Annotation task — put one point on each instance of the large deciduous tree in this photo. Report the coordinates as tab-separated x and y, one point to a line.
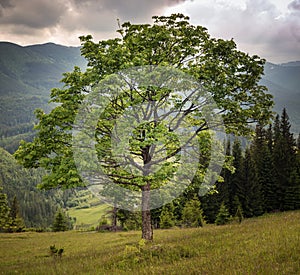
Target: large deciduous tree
229	76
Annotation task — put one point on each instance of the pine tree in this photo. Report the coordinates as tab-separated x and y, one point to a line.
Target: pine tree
235	185
284	159
60	221
17	222
261	150
167	219
239	210
5	220
192	214
253	199
223	216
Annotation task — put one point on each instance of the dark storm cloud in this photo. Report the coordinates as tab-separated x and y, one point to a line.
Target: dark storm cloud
84	16
6	3
137	9
34	14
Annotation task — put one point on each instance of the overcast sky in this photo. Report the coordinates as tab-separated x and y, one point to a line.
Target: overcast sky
269	28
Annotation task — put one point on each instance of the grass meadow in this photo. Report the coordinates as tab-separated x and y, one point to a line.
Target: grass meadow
88	217
264	245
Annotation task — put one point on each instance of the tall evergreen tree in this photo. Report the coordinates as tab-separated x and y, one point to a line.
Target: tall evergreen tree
17	222
253	200
284	159
261	151
60	222
223	216
167	219
236	187
5	219
192	214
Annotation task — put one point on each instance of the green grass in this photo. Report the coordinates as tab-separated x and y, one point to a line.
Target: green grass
265	245
88	217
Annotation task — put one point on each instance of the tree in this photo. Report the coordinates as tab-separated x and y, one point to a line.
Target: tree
192	214
5	220
239	210
167	219
252	198
60	222
236	186
229	76
223	216
261	152
284	155
17	222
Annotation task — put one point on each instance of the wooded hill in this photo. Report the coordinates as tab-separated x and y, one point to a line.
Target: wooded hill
27	75
37	207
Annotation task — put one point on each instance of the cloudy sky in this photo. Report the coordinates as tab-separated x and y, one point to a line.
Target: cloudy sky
269	28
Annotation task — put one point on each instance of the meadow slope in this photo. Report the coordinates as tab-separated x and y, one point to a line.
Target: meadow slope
264	245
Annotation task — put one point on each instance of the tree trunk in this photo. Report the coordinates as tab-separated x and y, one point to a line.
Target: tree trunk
114	219
147	230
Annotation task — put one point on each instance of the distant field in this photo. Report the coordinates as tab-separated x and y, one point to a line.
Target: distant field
88	217
265	245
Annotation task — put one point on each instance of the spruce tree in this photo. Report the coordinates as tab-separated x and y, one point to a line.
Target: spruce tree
192	214
253	188
284	159
5	220
17	222
167	219
239	211
223	216
60	222
261	152
236	187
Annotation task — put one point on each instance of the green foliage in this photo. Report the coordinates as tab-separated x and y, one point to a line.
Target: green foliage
167	219
56	252
192	213
223	216
17	222
61	221
239	210
36	207
5	219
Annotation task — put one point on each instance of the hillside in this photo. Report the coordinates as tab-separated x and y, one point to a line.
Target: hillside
265	245
283	82
27	75
36	207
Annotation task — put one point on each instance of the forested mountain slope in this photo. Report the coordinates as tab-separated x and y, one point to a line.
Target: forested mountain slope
27	75
37	207
283	82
